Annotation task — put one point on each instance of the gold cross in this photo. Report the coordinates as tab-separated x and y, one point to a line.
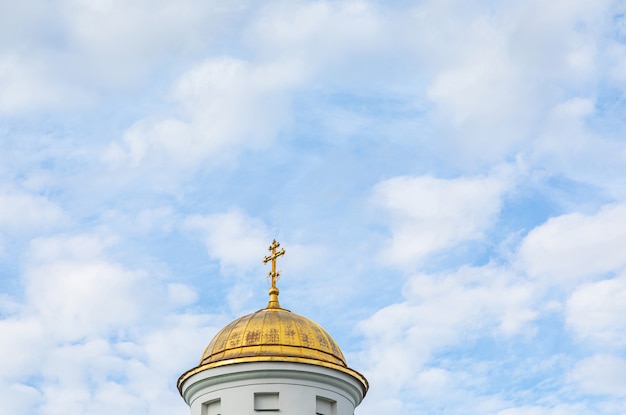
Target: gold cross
273	273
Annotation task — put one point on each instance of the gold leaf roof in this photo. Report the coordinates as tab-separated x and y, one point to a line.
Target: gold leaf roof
273	334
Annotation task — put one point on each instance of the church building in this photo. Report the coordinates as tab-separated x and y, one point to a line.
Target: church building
272	360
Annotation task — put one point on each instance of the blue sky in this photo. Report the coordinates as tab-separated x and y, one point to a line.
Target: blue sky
447	177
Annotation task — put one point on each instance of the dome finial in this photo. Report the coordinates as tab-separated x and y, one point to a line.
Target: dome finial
273	291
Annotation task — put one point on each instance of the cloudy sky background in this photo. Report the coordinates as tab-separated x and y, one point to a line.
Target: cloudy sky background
448	179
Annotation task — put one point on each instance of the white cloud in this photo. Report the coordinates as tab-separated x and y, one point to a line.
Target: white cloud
382	405
595	312
322	35
227	105
91	336
79	247
18	398
601	375
489	80
484	102
24	342
75	364
232	238
140	33
430	214
22	211
26	86
566	146
8	305
187	334
100	376
440	311
433	382
616	65
181	295
576	246
57	55
546	410
72	287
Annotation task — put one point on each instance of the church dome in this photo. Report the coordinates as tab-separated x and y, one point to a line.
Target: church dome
273	334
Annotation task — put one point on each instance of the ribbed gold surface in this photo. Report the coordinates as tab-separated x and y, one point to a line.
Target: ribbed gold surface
273	334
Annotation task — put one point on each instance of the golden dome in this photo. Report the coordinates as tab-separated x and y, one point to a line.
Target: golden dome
273	334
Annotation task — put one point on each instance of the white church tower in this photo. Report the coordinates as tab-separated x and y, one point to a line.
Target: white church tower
272	360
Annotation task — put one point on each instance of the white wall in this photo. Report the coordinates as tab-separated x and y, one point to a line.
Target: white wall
280	387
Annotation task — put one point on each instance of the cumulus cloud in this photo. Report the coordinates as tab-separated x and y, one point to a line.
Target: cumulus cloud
576	246
24	211
56	56
26	86
92	336
429	214
439	311
322	35
489	82
595	312
215	98
71	286
22	348
601	375
181	294
232	238
18	397
590	158
140	34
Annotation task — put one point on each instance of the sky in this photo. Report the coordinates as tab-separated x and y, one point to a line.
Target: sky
448	179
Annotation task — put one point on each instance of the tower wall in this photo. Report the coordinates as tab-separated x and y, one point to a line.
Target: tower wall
258	388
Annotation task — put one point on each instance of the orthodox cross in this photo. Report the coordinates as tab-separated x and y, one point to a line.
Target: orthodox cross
275	254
